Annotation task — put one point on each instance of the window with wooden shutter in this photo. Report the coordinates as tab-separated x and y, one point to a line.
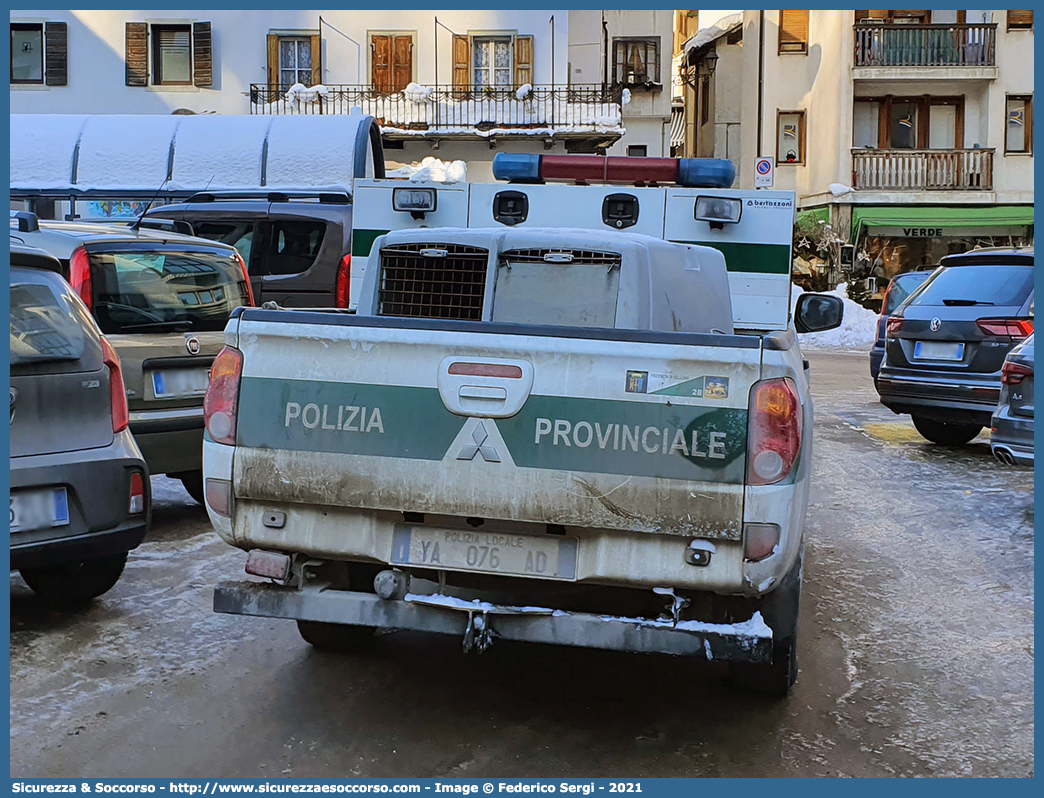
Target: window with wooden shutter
793	31
523	61
56	44
381	63
171	55
202	55
315	44
1020	20
136	54
461	62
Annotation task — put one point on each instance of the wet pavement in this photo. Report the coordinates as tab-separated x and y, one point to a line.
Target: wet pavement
915	649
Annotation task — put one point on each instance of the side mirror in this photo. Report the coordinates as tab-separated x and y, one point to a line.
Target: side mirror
818	312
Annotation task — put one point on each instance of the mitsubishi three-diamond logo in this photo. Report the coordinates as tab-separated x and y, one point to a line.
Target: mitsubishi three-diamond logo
469	450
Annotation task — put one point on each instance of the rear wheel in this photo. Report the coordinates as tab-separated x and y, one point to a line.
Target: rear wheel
75	583
336	637
946	434
193	482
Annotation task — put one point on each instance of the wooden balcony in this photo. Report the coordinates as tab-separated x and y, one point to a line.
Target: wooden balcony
879	45
922	170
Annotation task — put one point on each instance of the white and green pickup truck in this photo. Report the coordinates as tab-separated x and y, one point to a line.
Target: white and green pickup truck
538	434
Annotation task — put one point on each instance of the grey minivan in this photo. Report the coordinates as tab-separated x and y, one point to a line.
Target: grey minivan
80	496
162	300
945	346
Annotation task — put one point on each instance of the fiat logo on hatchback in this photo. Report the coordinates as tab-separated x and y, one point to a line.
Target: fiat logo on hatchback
192	345
935	324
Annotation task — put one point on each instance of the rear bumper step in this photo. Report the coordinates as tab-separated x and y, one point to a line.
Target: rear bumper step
750	641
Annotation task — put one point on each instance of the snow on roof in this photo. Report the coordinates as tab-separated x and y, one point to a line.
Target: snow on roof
42	149
219	152
138	145
328	159
707	35
132	154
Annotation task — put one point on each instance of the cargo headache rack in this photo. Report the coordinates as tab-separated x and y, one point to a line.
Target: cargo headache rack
433	281
325	197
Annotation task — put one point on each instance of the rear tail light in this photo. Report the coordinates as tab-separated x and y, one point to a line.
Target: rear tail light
759	541
117	390
80	275
1014	373
219	496
246	278
774	439
222	399
893	325
1014	328
137	494
884	299
344	281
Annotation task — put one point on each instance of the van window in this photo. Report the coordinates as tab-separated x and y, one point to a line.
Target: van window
45	321
580	293
293	246
236	234
170	289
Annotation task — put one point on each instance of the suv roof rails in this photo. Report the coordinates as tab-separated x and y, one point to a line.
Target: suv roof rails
326	197
989	256
28	222
151	222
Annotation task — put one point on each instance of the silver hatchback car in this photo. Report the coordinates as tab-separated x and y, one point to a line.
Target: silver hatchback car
1011	439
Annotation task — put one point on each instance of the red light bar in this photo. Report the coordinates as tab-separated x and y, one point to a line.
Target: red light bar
486	370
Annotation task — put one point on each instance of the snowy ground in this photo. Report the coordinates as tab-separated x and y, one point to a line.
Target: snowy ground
857	330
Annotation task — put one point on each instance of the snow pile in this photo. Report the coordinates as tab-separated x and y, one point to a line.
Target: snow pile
524	91
433	170
42	149
119	151
709	34
858	328
299	93
625	97
837	189
416	93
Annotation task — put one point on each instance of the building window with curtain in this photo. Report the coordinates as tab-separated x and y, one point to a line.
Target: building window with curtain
1018	127
295	61
172	55
491	61
636	62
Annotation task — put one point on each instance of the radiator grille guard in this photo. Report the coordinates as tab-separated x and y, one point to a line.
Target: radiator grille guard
432	281
580	257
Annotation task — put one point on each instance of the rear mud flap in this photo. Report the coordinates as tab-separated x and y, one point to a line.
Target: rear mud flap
479	623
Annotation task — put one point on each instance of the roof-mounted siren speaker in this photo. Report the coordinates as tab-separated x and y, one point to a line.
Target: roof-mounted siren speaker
690	172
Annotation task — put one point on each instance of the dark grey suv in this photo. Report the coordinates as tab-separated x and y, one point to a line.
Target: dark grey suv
79	486
297	245
945	346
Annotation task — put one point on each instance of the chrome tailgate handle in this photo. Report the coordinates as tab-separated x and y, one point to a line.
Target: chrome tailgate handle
484	387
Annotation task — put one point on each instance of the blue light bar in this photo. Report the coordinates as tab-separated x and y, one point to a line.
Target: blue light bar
516	166
706	173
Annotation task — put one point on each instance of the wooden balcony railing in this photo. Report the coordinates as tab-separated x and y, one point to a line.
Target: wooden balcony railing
922	170
451	110
879	45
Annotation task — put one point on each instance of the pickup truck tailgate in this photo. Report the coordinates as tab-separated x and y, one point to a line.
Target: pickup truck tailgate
636	431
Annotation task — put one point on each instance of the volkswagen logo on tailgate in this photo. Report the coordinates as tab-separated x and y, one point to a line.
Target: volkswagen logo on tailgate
192	345
935	324
14	398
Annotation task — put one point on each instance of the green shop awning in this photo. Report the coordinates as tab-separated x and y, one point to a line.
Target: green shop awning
915	221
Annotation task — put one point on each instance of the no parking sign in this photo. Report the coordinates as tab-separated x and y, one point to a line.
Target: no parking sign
763	173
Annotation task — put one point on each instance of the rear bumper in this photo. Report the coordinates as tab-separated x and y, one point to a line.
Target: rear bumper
87	546
172	450
746	642
97	482
1012	439
954	401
